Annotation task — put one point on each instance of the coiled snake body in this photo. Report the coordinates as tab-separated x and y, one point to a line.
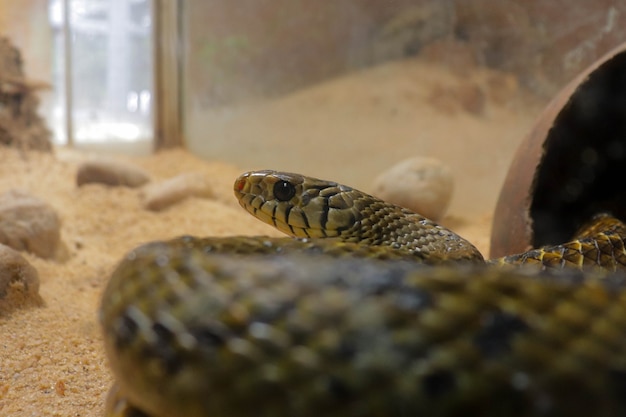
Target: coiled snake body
357	325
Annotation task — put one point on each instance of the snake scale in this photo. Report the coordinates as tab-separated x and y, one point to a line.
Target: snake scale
377	311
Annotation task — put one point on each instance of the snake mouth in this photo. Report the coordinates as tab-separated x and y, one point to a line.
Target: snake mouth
255	192
243	184
289	219
299	206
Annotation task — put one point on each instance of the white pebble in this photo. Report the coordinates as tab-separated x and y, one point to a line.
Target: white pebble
110	172
420	184
160	195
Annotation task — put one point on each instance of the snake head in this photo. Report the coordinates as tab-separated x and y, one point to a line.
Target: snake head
297	205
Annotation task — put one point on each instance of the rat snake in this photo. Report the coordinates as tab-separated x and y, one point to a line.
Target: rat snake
375	311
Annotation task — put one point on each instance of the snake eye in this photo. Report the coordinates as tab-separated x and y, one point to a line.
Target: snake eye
284	190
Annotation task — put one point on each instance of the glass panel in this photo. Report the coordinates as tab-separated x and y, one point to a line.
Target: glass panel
345	89
111	73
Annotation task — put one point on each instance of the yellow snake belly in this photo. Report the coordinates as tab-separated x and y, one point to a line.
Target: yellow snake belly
381	318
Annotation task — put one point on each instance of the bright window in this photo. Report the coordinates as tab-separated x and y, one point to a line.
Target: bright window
107	72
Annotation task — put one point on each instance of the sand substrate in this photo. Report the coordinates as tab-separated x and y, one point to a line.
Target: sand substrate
52	361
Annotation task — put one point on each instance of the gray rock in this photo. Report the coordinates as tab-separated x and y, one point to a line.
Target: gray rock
423	185
19	280
29	224
161	195
111	172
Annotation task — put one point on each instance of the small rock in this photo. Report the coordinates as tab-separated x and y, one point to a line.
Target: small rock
27	223
468	97
111	172
423	185
166	193
19	280
472	99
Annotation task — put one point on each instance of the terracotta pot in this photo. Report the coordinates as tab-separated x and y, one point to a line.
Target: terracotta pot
571	166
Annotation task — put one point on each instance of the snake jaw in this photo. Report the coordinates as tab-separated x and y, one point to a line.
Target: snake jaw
316	208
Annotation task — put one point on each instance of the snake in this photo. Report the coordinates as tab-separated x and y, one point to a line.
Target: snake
368	309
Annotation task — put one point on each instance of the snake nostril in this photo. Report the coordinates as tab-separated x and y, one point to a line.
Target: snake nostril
284	190
240	184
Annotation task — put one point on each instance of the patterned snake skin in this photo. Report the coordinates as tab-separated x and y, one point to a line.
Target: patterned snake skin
392	315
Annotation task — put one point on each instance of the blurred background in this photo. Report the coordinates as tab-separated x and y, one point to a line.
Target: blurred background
127	121
334	89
